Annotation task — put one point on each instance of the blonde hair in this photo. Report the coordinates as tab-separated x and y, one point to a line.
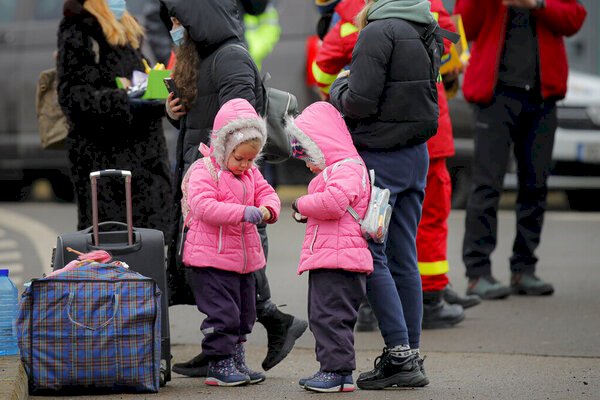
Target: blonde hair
127	31
361	17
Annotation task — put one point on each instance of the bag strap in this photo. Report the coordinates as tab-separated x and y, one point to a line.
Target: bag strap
351	210
211	169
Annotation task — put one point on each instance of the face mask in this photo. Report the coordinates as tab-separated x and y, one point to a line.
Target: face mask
118	7
177	35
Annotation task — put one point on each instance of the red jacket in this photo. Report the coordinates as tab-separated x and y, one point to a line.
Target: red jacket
485	25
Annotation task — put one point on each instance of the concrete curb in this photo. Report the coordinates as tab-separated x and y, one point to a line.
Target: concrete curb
13	379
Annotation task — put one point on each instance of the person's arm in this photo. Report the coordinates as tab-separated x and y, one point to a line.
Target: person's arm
204	200
235	75
341	189
562	17
79	94
471	13
262	33
358	95
265	196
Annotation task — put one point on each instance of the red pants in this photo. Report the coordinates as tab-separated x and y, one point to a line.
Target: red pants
432	235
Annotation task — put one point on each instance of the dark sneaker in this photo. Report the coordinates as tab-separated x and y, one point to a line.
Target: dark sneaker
437	314
530	285
366	321
451	297
302	381
282	332
240	363
393	371
224	373
421	362
487	288
328	382
196	367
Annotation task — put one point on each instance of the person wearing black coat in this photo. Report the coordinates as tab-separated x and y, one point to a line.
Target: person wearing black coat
107	129
389	101
212	68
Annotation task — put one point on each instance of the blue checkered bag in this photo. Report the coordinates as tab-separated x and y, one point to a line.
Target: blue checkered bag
95	327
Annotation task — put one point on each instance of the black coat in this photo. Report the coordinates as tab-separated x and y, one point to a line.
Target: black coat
106	129
211	24
390	99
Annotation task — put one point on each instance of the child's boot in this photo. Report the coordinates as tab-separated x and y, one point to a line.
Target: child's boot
240	363
224	373
327	382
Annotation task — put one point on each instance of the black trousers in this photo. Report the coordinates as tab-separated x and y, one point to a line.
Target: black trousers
520	120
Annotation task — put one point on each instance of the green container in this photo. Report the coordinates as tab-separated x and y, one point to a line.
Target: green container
156	87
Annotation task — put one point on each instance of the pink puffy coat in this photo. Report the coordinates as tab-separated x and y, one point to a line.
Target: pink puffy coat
333	238
217	237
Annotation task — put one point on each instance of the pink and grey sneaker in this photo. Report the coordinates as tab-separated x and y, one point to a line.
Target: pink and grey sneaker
239	358
328	382
224	373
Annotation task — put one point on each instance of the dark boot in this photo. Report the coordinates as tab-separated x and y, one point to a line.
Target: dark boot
366	321
530	285
282	332
196	367
451	297
391	370
437	314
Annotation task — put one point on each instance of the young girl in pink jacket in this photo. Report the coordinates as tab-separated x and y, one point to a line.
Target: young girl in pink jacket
334	251
225	196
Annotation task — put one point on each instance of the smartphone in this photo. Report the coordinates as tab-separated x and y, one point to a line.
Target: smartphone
170	84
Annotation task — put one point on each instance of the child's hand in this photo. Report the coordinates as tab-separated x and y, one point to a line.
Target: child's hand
253	215
266	213
299	217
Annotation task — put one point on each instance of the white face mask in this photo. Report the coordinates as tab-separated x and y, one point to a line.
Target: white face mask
177	35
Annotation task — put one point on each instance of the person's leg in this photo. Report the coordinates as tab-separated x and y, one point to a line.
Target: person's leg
533	152
432	236
493	124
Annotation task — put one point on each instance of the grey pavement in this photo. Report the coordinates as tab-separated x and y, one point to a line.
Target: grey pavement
518	348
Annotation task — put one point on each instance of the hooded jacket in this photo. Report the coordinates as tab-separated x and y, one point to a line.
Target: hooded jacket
217	237
106	129
333	238
485	26
390	98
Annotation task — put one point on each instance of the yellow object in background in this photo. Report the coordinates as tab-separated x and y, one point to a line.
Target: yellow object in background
147	68
459	52
159	67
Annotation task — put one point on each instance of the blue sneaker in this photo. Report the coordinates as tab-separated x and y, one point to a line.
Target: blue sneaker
302	382
327	382
239	358
224	373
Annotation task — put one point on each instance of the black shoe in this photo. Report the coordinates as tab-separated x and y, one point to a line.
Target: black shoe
393	371
282	332
530	285
487	288
366	321
196	367
437	314
451	297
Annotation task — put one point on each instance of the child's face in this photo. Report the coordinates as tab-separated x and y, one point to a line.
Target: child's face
242	158
313	168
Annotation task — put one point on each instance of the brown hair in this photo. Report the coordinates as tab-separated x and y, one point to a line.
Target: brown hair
361	17
185	73
127	31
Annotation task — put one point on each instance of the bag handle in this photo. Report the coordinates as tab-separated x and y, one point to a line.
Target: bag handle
94	180
116	297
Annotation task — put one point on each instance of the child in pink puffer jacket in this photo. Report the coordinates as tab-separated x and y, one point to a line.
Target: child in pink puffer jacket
334	251
225	197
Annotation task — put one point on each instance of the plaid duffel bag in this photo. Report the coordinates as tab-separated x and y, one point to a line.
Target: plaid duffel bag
93	328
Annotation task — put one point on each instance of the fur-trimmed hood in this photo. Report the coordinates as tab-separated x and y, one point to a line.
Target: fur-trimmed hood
236	122
322	133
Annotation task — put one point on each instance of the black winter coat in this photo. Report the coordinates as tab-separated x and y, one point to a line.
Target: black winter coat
211	24
390	98
106	129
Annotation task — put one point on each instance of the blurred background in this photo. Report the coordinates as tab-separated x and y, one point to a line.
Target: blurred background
28	42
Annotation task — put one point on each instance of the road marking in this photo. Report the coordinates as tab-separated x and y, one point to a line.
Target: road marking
41	236
7	256
8	244
573	216
15	268
2	232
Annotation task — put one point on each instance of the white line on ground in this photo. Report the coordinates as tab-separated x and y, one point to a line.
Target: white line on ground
8	256
8	244
2	232
15	268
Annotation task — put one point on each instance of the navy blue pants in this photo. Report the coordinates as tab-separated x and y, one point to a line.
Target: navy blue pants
394	288
519	119
334	296
229	301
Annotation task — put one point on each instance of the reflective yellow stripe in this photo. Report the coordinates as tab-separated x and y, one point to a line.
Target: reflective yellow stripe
434	268
436	16
347	29
321	77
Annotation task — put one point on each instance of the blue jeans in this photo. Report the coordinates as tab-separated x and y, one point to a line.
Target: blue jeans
394	288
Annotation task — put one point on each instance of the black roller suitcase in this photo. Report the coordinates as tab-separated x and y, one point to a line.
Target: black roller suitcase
142	249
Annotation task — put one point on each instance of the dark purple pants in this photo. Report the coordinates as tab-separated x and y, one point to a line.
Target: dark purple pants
334	296
229	301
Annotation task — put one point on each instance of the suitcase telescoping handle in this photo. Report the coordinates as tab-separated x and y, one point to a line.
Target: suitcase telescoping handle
111	173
